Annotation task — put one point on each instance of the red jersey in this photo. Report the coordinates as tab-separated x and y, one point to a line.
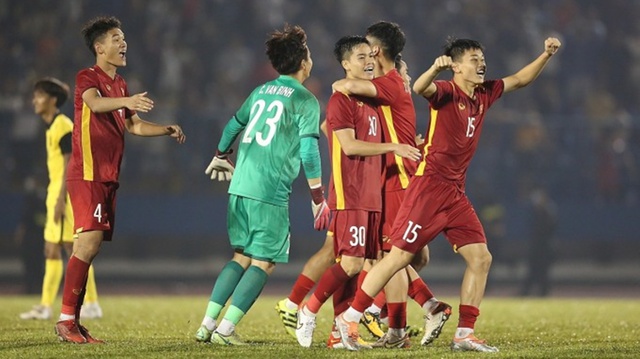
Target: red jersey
98	138
399	126
354	182
455	127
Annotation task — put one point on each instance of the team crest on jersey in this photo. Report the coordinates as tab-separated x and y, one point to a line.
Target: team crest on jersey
461	106
360	103
108	88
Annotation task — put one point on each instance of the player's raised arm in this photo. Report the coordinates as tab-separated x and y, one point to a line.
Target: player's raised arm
424	85
530	72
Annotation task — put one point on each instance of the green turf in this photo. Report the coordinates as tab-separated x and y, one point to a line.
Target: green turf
163	327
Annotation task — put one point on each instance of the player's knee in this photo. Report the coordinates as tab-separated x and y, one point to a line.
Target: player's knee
420	260
352	265
482	261
400	258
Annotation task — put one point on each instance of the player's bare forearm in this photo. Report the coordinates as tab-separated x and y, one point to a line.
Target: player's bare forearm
355	87
139	127
424	85
530	72
354	147
99	104
314	182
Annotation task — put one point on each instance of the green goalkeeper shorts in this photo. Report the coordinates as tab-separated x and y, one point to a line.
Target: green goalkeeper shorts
259	229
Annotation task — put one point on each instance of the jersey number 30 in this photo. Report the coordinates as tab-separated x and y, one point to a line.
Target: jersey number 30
274	111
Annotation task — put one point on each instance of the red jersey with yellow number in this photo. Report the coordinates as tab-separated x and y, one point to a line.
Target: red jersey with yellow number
399	126
455	127
98	138
354	182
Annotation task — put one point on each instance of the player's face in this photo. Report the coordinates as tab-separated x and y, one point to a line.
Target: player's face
42	102
472	67
113	48
360	63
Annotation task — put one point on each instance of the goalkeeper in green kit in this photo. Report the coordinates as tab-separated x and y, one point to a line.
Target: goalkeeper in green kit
278	126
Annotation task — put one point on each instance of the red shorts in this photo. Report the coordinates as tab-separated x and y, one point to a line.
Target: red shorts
431	206
391	202
94	206
356	233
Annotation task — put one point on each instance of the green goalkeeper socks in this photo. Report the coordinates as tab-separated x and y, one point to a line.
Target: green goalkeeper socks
224	287
246	293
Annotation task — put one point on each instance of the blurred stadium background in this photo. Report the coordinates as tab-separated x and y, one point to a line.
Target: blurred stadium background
557	169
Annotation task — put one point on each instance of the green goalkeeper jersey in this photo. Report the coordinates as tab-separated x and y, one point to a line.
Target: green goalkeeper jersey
275	117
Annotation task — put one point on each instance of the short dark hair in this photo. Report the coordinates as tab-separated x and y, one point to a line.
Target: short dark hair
96	28
455	48
391	38
287	48
54	88
346	44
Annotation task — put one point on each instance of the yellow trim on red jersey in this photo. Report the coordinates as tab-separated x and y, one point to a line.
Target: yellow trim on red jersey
336	167
432	131
402	172
87	156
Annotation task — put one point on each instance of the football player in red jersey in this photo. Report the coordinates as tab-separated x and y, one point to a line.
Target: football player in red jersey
103	110
399	126
436	200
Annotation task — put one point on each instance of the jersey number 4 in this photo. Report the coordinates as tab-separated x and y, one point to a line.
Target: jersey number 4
98	212
274	113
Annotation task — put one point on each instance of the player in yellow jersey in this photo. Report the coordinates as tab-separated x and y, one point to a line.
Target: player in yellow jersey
49	94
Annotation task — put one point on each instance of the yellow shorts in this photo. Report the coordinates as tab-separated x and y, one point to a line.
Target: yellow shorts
61	231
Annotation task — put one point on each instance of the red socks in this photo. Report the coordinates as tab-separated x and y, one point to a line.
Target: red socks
362	301
75	280
331	280
301	288
468	316
419	291
397	315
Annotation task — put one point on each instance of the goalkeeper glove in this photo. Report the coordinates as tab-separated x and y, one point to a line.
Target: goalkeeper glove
320	209
220	167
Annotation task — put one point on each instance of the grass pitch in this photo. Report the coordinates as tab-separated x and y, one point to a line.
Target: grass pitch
163	326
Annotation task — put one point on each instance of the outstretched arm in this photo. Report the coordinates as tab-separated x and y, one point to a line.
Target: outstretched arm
530	72
424	85
98	104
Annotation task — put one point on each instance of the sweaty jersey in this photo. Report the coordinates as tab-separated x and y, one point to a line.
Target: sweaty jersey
354	180
98	138
455	127
58	137
399	123
276	116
